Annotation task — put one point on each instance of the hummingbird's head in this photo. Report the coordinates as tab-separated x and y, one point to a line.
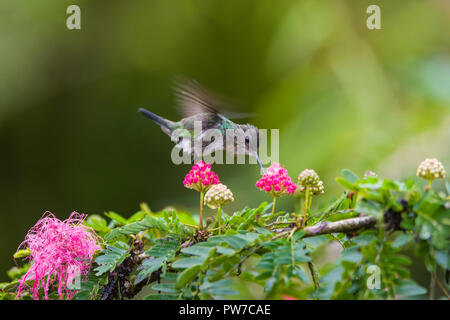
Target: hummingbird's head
247	141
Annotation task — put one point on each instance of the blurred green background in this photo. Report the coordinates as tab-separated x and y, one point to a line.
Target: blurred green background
342	96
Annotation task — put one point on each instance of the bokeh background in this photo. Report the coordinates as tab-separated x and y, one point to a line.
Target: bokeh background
342	96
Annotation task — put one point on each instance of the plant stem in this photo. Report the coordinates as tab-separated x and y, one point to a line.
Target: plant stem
432	286
273	206
339	241
202	194
299	206
314	275
189	225
441	285
219	216
292	233
280	222
307	206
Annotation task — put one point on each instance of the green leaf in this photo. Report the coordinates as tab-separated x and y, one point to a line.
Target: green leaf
342	216
111	257
116	217
21	253
390	184
97	223
369	207
443	259
138	216
401	271
410	288
161	297
148	266
350	176
233	241
263	231
351	255
371	183
133	228
187	262
12	286
364	240
17	272
283	252
273	280
346	184
270	284
313	243
187	276
225	251
163	248
89	289
165	287
183	217
197	250
160	254
399	260
299	234
301	275
401	240
218	288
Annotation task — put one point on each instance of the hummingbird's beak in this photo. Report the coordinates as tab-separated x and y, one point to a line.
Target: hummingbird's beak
259	162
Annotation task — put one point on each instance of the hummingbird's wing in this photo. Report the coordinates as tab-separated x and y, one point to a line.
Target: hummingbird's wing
192	99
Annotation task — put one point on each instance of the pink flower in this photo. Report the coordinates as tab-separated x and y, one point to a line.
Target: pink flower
200	177
275	168
60	251
276	181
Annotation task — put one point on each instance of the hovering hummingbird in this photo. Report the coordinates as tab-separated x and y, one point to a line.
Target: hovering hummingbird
201	108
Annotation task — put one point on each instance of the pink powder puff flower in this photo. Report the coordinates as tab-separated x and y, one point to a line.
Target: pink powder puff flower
60	251
276	181
200	177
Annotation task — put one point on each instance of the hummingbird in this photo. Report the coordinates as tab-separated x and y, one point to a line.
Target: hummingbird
203	109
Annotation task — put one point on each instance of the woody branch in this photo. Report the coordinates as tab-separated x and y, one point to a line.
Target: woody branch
344	226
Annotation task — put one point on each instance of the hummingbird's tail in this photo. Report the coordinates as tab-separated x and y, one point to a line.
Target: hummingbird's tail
165	124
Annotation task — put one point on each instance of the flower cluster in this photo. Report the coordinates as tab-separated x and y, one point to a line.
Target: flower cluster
309	178
276	181
60	251
431	169
370	173
218	195
200	177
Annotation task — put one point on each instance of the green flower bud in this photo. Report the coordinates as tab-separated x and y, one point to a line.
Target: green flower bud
218	195
309	178
431	169
317	189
